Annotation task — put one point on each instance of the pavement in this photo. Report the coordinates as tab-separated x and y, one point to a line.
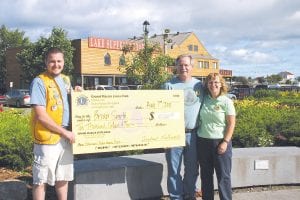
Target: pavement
286	194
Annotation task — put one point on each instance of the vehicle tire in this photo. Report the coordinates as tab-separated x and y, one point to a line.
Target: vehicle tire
18	104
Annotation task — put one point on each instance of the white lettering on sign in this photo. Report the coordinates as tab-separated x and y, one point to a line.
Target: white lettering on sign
103	43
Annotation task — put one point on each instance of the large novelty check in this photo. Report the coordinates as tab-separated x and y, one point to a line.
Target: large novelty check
118	120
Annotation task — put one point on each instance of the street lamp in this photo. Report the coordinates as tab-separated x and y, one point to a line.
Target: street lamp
146	31
145	28
166	40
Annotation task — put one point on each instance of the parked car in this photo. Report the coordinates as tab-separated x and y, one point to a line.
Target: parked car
135	87
231	96
18	97
261	87
241	91
104	87
2	99
122	87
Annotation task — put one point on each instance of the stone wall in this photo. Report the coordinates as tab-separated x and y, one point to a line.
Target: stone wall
145	176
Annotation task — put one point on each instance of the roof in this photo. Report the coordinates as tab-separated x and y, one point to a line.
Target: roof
176	38
204	56
286	73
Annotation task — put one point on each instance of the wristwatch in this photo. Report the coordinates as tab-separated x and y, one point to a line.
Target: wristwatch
226	141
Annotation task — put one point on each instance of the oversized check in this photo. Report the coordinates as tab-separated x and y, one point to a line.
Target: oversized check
119	120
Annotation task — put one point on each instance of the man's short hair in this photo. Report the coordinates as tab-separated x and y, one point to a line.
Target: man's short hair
52	50
183	56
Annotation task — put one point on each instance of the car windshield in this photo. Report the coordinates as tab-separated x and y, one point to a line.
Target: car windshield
109	88
25	92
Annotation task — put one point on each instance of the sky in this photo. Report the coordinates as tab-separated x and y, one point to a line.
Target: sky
253	38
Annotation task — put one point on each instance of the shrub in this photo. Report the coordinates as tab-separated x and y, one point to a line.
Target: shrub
15	140
266	123
271	94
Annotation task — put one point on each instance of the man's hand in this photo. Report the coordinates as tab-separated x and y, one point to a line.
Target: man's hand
69	135
78	88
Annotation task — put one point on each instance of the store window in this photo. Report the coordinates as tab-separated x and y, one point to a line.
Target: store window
107	59
122	60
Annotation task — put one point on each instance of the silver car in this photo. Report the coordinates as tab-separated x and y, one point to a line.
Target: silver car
104	87
18	97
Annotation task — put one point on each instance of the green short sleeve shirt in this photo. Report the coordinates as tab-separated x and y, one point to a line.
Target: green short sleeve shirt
213	116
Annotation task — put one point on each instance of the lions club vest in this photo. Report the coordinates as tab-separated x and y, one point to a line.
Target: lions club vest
54	108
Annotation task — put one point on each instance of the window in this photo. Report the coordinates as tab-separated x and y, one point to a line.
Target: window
122	60
190	47
203	64
195	47
200	64
107	60
215	65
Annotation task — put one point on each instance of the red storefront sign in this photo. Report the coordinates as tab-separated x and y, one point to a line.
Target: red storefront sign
104	43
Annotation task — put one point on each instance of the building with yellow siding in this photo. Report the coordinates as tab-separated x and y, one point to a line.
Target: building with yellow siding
98	60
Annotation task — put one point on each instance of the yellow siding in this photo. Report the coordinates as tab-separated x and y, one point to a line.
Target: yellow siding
92	60
183	49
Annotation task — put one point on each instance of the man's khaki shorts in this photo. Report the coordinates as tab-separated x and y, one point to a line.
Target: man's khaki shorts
52	163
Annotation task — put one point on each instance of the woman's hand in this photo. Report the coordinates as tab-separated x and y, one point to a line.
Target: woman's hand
222	147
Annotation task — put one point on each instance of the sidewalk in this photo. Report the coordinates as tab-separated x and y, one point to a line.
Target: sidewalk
289	194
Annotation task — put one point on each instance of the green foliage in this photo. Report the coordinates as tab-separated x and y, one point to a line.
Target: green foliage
15	140
148	67
285	98
266	94
9	39
274	78
31	58
240	79
266	122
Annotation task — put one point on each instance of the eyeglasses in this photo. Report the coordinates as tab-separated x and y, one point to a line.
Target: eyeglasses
213	82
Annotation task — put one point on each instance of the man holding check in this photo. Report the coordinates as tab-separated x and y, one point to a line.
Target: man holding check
184	188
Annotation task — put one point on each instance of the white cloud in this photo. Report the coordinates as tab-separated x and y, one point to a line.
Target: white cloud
295	16
250	57
237	32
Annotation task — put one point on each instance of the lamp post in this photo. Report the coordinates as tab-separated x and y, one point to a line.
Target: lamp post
166	40
146	31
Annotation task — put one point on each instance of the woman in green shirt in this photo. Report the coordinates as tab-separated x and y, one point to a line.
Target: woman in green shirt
217	122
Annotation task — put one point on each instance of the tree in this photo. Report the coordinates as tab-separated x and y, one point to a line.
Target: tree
274	78
241	79
147	66
9	39
31	58
261	79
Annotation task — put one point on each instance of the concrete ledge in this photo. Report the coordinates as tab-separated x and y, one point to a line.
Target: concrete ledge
145	176
265	166
13	190
117	178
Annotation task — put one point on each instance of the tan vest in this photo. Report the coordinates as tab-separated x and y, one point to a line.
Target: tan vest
54	108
